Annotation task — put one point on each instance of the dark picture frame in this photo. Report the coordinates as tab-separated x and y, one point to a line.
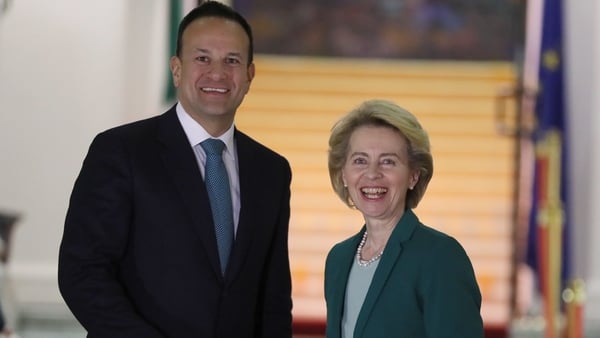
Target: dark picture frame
399	29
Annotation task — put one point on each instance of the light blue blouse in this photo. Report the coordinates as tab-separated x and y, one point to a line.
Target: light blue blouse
359	281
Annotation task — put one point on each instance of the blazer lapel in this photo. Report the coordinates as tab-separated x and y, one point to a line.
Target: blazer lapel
341	279
182	167
393	249
248	186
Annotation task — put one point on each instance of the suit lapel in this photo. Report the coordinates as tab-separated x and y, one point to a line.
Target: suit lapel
179	160
341	279
248	187
384	268
393	249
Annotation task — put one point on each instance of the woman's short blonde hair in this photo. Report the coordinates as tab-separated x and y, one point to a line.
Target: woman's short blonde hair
385	114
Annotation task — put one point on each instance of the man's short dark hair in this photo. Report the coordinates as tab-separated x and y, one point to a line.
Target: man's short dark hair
219	10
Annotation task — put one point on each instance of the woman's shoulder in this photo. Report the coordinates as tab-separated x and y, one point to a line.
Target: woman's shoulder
436	240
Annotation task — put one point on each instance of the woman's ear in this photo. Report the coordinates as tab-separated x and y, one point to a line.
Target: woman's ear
414	180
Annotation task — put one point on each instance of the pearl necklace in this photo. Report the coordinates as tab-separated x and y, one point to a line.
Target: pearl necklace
359	259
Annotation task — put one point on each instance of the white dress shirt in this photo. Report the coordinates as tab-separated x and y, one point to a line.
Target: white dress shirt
196	134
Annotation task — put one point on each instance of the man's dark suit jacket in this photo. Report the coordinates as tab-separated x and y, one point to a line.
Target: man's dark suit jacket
424	287
138	258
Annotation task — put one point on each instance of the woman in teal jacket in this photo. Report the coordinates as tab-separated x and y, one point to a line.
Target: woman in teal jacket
396	277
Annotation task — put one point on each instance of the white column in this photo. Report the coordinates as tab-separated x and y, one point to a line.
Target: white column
593	254
582	42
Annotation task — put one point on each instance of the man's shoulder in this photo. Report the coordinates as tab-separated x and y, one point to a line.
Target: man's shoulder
138	127
247	143
139	133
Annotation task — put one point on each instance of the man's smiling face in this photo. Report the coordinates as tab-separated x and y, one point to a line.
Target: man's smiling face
212	74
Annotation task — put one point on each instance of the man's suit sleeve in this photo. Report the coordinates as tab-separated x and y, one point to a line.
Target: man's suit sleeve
94	239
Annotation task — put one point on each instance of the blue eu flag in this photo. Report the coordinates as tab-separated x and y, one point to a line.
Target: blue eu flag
550	190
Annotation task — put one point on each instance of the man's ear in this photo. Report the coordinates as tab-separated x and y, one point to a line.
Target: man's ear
251	71
175	65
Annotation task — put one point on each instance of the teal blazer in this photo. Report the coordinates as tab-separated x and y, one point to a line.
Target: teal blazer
424	287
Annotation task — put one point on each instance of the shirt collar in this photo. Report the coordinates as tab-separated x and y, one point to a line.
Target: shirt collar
196	133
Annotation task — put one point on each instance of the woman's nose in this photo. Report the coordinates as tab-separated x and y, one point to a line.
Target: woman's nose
373	171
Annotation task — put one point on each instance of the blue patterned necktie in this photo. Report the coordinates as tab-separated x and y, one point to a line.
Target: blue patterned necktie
217	185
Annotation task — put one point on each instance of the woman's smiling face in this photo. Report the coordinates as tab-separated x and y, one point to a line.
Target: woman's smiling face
377	172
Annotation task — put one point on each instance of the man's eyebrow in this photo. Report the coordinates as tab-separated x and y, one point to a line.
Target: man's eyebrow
238	54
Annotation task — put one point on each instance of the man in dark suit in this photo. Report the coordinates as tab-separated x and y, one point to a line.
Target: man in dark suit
139	256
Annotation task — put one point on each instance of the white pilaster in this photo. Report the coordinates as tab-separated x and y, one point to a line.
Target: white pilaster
582	42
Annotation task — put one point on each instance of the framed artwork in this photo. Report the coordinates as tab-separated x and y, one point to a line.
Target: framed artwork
405	29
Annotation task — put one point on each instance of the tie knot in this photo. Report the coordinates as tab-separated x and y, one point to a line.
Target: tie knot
213	146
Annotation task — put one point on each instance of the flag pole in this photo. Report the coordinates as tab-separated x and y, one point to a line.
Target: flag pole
551	218
550	221
574	298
